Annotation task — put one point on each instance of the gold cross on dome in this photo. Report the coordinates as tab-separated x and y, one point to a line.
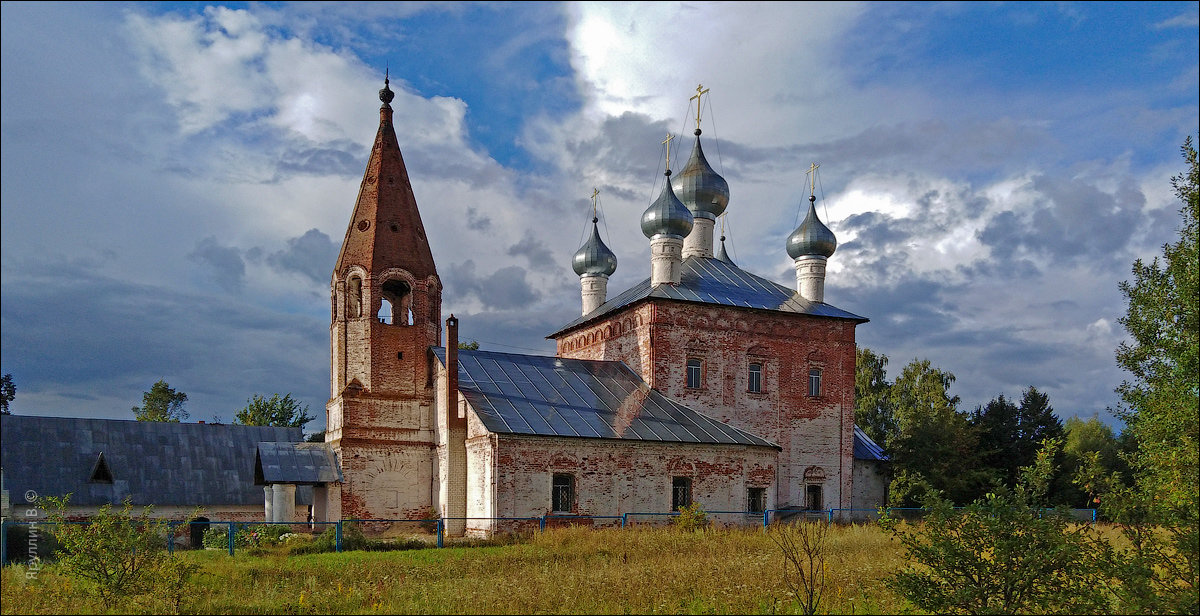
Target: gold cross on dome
812	180
595	193
700	91
667	142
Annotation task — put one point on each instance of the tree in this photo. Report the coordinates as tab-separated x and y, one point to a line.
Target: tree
1001	555
276	411
1160	572
8	391
1162	400
934	447
872	406
161	403
1082	438
1010	435
316	437
469	346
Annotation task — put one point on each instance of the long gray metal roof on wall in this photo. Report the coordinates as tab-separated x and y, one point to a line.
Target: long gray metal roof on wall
552	396
155	463
296	463
865	448
713	281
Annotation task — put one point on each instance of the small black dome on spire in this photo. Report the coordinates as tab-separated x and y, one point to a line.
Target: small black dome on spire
386	95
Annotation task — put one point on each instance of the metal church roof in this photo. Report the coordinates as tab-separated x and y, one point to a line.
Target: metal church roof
712	281
865	448
153	463
295	463
554	396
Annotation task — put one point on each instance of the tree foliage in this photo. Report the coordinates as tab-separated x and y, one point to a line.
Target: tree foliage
469	346
8	391
933	447
1161	400
1010	435
276	411
1001	555
119	554
872	406
161	403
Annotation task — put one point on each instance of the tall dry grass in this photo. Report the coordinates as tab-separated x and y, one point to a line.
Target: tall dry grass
567	570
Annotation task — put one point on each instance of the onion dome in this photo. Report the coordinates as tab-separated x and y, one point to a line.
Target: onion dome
594	258
812	237
667	215
722	255
701	189
386	95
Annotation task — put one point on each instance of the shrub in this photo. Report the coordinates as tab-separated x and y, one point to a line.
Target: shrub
803	548
118	553
1001	555
692	518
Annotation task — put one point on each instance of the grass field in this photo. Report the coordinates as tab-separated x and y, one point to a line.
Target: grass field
568	570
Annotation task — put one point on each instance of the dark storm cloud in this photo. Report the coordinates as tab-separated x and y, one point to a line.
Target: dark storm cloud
610	148
100	339
477	221
342	158
534	250
224	263
502	289
310	255
1070	219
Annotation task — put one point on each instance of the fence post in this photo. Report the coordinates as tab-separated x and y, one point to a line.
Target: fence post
766	518
337	537
830	520
542	523
441	532
624	519
170	537
232	531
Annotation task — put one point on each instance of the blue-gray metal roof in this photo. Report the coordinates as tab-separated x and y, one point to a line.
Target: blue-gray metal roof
712	281
865	448
154	463
297	463
554	396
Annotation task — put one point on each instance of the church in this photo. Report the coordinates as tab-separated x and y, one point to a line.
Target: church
704	383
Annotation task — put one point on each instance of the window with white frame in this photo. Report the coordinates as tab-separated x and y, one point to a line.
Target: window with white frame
695	372
754	379
814	382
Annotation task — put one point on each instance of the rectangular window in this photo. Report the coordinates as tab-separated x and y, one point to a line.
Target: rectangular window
562	493
681	492
754	385
814	382
694	372
756	500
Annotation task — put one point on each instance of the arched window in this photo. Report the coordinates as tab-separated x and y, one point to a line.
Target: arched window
695	373
814	382
399	295
754	379
354	298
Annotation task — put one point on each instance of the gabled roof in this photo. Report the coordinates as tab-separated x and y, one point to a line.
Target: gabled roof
154	463
712	281
296	463
865	448
553	396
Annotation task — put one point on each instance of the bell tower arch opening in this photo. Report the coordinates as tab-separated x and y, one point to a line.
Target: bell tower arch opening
398	296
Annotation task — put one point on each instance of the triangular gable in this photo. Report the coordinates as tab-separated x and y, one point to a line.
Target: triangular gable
100	471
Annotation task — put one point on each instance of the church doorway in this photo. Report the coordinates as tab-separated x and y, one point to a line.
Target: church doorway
813	500
196	531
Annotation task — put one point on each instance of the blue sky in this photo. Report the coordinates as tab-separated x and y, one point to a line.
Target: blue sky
176	177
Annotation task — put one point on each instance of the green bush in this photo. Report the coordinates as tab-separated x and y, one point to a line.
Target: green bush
692	518
352	539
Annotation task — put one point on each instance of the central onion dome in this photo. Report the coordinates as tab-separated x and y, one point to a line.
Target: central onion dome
701	189
667	215
594	258
812	237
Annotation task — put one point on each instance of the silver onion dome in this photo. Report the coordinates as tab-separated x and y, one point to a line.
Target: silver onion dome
812	237
667	215
702	190
594	258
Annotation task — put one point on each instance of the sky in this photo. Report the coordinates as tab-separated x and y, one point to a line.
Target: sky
176	177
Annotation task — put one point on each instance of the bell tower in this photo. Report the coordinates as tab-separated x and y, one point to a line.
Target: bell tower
385	314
